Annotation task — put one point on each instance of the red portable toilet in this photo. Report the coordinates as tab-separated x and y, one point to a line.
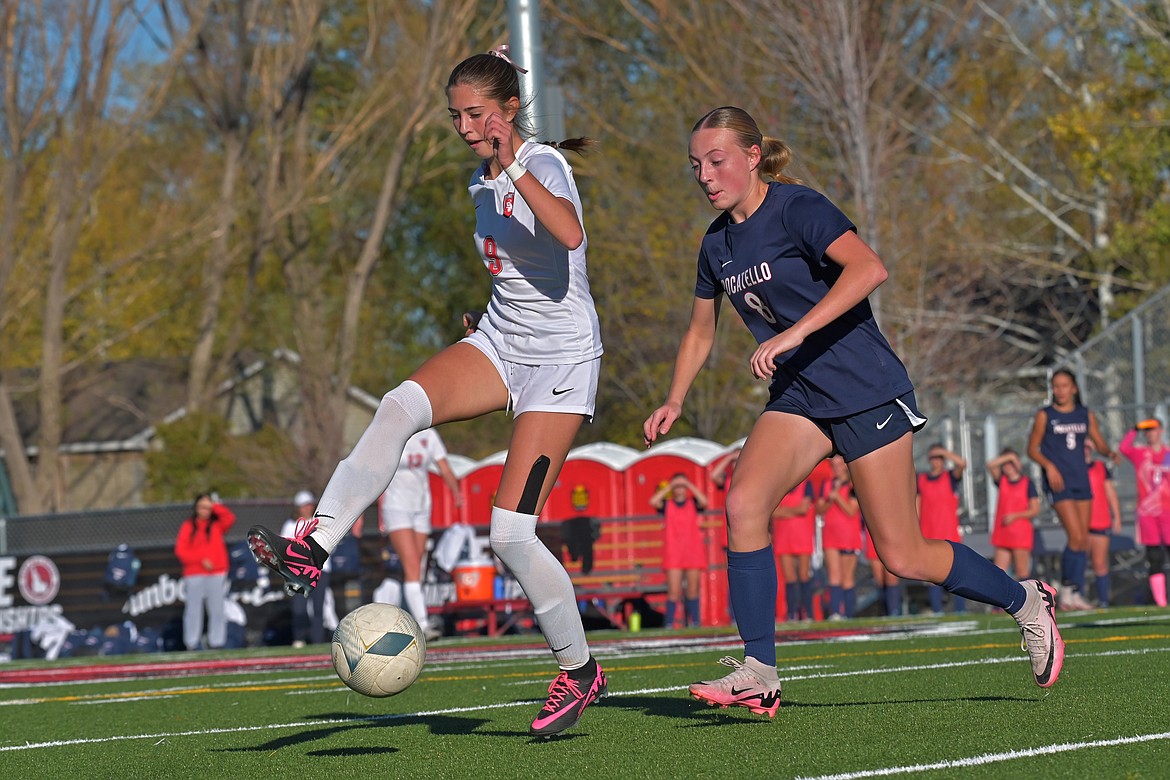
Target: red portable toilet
591	483
443	510
479	487
590	495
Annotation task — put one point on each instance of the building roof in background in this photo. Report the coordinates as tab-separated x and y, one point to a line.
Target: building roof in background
108	403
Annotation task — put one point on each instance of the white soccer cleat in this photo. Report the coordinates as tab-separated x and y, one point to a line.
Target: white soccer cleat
746	686
1041	636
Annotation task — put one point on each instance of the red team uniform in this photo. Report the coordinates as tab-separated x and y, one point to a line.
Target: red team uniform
841	531
938	516
1014	497
1100	520
796	535
940	506
682	541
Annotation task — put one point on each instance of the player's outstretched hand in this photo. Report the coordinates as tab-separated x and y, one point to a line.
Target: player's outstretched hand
658	423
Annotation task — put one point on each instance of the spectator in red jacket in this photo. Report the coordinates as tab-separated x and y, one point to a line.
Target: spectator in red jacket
201	549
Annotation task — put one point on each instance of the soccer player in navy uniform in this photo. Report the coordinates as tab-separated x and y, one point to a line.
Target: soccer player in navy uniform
798	275
536	352
1057	444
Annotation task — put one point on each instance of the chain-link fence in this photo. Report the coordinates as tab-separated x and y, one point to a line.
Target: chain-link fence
1124	376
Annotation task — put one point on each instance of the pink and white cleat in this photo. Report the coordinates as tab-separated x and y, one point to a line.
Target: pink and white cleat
747	686
1041	637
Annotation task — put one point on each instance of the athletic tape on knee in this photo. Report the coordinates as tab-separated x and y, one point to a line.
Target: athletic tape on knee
363	475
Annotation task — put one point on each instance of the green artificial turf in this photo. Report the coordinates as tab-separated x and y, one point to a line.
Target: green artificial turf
950	698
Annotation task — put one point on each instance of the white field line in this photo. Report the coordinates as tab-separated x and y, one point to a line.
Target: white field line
507	705
993	758
633	648
340	688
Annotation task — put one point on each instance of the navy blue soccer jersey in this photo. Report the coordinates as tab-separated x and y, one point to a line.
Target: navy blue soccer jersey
1064	444
773	268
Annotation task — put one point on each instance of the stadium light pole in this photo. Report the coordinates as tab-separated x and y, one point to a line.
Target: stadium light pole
544	99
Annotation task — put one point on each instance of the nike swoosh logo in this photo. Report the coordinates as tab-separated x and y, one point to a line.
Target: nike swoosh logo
735	692
882	424
561	392
562	649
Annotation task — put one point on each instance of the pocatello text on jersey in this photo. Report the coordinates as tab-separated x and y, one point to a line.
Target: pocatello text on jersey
757	274
1060	428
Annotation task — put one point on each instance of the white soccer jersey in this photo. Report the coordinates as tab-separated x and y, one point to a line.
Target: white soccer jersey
410	490
541	311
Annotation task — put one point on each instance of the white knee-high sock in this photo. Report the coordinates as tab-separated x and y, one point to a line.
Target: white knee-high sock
363	476
416	605
545	582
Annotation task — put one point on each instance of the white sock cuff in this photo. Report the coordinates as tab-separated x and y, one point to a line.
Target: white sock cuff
509	526
414	402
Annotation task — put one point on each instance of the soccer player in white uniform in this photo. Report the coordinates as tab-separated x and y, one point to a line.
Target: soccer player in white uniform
404	515
536	351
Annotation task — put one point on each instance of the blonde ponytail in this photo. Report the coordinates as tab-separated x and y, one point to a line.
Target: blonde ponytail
775	158
775	154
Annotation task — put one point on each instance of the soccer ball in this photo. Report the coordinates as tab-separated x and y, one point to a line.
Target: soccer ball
378	650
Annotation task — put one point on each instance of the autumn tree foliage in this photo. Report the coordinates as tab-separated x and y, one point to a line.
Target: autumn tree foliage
212	180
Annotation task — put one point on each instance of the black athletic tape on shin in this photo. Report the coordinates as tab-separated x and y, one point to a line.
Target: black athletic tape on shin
533	486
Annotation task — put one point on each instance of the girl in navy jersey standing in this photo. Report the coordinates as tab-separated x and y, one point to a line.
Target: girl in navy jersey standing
536	351
1057	443
798	275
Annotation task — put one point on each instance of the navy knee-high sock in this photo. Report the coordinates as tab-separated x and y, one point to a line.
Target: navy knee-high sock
894	599
1068	566
849	596
1103	589
806	599
671	606
835	598
751	585
1081	564
792	599
692	608
935	592
974	577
